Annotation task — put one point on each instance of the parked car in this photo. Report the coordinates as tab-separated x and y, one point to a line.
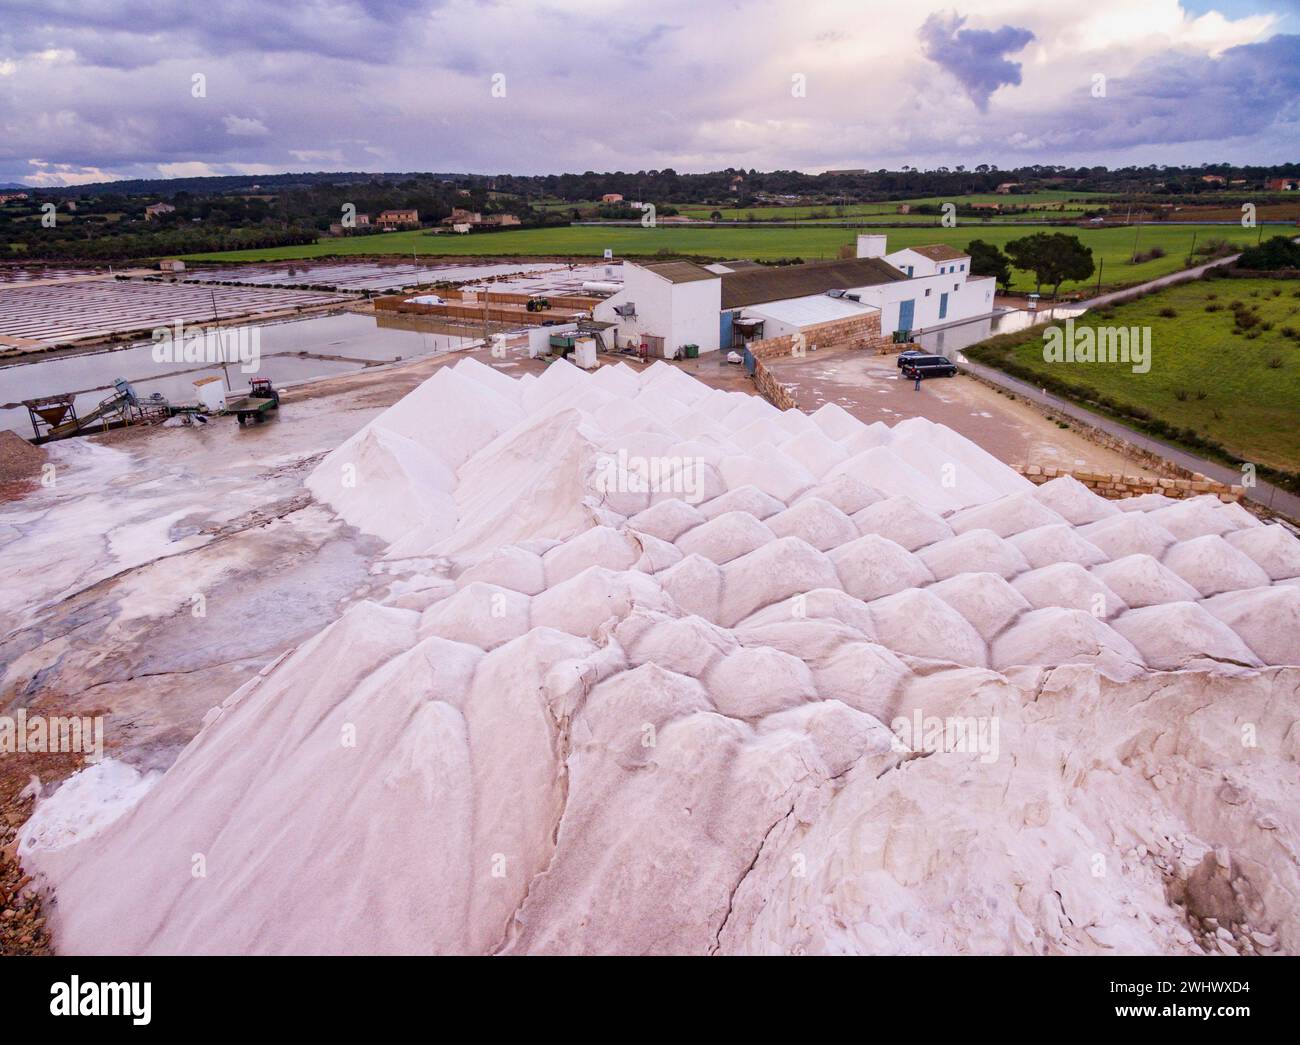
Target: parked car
929	366
911	353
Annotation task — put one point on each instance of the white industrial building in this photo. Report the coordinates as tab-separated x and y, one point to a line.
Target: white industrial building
666	306
670	305
939	288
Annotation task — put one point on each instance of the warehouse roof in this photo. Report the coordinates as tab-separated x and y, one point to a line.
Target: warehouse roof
939	252
753	286
680	271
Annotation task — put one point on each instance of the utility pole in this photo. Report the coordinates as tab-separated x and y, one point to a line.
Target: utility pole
1101	264
220	339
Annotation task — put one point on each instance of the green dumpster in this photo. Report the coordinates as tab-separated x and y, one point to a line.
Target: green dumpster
692	351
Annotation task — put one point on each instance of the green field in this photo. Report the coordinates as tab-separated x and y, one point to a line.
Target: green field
1112	247
1047	203
1206	376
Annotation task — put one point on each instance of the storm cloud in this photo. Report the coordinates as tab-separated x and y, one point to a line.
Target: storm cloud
976	57
96	89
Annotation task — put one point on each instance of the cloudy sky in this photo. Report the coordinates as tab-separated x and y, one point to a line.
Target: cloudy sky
97	89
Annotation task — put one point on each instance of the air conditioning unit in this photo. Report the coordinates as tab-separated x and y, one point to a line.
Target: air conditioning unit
834	293
627	311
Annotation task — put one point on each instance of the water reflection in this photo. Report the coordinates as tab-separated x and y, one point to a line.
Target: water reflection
293	351
958	336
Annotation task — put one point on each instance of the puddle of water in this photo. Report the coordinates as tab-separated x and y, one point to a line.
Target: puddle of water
963	335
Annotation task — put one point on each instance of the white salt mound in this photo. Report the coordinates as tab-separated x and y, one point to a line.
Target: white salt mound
602	718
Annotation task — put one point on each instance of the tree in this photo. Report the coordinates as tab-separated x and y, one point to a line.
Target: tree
1052	258
1277	252
987	260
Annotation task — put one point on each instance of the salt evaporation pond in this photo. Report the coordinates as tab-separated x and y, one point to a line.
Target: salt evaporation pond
336	344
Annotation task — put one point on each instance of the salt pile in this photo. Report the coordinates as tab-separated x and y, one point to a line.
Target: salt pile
787	684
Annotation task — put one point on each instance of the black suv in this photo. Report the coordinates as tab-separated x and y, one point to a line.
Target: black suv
928	366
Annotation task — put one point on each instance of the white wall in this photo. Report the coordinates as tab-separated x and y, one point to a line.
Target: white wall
696	314
871	245
966	299
653	299
923	266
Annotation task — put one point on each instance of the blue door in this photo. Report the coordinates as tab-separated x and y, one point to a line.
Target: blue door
943	305
724	331
906	310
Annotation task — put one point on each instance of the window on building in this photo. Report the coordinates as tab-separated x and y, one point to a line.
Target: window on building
927	291
963	266
956	287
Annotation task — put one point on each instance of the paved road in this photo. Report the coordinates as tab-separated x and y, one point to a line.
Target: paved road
1270	496
1182	276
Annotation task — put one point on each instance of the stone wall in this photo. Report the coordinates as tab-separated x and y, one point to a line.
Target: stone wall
771	389
1116	486
854	332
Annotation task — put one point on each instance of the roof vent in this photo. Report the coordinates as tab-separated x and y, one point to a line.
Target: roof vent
834	293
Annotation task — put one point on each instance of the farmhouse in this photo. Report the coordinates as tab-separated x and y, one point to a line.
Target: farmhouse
612	197
396	219
1281	184
156	210
861	301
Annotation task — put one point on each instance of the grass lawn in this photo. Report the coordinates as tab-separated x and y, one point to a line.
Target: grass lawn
1112	246
1241	392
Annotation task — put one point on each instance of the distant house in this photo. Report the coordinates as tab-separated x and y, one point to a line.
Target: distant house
7	197
500	219
903	208
461	216
1281	184
398	219
461	227
171	265
155	210
1214	179
1008	187
612	197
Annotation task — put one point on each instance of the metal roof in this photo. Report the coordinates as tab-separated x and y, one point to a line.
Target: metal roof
808	311
779	283
680	271
939	252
